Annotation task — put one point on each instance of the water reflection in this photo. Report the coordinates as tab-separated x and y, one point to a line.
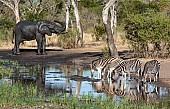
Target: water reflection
76	80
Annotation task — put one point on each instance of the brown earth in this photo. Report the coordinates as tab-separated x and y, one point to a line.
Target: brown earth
92	50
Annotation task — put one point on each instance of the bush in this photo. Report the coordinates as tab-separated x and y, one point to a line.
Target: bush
6	26
146	30
99	32
67	40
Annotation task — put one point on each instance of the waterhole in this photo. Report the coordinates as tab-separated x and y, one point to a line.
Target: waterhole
77	81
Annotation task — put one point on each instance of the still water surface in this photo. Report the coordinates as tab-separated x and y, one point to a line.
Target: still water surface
77	81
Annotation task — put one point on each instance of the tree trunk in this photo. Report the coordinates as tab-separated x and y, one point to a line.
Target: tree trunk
113	18
110	40
109	32
67	5
17	12
79	37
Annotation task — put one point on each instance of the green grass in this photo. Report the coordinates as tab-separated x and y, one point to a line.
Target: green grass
18	95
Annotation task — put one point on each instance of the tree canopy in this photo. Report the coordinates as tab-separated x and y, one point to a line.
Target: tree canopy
146	23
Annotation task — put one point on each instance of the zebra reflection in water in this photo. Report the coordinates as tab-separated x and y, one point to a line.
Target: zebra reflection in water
150	92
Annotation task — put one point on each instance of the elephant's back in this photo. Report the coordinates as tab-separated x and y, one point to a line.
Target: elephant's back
24	23
25	26
25	29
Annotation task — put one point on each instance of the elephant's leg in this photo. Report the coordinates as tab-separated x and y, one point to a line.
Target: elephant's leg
16	48
43	44
39	40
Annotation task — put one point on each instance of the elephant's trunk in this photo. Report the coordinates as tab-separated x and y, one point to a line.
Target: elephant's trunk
61	28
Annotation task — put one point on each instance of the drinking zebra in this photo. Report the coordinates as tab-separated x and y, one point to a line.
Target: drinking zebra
151	68
100	64
124	67
112	68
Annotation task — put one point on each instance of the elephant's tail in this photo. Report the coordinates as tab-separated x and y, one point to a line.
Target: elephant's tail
13	35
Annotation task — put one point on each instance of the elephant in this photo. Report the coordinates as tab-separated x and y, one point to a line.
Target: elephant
26	31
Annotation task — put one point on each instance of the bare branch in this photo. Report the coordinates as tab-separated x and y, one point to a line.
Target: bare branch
9	4
13	5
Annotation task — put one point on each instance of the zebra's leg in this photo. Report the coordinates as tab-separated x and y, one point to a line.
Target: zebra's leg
138	73
156	77
138	87
156	89
150	78
123	85
108	73
146	77
99	74
129	75
125	76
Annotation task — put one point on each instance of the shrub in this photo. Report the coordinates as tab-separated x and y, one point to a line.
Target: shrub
67	40
99	32
6	26
150	28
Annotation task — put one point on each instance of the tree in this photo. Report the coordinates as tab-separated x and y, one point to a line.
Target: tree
67	6
13	5
110	5
79	36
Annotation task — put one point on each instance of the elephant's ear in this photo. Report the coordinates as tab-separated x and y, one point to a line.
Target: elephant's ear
44	29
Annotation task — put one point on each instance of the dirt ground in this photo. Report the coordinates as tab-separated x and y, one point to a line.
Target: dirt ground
92	50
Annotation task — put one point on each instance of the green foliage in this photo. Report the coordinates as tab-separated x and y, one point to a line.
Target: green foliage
21	95
35	10
100	32
10	67
32	16
6	26
134	7
105	52
67	40
148	28
90	14
89	3
17	95
5	70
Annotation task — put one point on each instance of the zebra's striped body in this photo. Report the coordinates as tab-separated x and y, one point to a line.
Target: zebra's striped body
100	64
151	68
132	66
124	66
112	66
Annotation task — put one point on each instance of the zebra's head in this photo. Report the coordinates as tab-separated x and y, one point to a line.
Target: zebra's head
94	66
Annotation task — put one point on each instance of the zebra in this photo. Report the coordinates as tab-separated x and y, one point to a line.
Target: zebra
110	67
151	68
123	67
99	65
